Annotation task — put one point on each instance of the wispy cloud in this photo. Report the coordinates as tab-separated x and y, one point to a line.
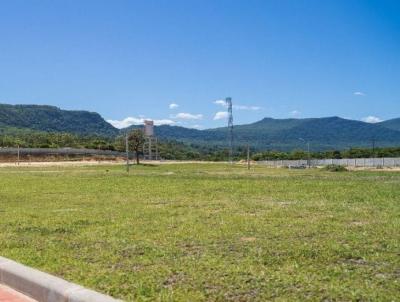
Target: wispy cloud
237	107
371	119
173	106
295	113
188	116
359	93
164	122
129	121
243	107
220	102
220	115
196	126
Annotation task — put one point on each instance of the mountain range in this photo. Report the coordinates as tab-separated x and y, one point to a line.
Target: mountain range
268	133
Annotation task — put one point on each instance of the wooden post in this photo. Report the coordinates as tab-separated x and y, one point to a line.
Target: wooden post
127	152
157	152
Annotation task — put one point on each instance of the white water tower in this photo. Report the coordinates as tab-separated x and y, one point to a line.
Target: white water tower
150	147
149	128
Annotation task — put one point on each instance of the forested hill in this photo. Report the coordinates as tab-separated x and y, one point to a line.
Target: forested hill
53	119
279	134
393	124
287	134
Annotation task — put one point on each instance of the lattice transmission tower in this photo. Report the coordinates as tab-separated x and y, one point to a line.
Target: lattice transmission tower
230	127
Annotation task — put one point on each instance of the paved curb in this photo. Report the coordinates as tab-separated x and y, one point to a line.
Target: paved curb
44	287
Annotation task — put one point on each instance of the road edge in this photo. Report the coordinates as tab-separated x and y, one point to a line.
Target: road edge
44	287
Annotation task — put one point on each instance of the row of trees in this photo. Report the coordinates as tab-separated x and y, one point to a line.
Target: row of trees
349	153
172	149
37	139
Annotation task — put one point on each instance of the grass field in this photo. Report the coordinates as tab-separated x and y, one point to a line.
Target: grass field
207	232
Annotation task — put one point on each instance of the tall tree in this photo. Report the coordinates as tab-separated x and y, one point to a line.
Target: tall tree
136	141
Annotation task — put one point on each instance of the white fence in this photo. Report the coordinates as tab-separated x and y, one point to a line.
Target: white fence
348	162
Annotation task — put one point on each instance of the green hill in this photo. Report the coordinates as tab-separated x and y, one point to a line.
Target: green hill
286	134
280	134
393	124
53	119
322	133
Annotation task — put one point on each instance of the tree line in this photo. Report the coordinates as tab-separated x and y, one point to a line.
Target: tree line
172	149
336	154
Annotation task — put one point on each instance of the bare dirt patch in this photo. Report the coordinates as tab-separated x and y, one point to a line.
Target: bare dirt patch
248	239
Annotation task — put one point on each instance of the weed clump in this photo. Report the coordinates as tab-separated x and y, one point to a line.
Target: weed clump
334	168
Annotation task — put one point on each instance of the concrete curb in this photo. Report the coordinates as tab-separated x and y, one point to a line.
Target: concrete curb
44	287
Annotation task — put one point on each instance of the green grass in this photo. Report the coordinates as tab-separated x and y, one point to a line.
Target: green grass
207	232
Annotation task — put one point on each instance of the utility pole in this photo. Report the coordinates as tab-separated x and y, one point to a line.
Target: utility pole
230	128
308	151
248	157
373	147
127	151
18	155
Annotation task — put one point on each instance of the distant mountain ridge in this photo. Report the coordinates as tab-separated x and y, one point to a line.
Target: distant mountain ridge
287	134
53	119
268	133
393	124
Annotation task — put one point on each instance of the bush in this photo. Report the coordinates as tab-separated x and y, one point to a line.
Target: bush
335	168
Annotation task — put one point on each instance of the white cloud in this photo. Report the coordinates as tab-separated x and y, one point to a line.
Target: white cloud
196	126
221	103
243	107
237	107
126	122
221	115
164	122
372	119
359	93
129	121
173	106
295	113
188	116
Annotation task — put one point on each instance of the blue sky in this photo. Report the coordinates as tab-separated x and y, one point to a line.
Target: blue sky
130	60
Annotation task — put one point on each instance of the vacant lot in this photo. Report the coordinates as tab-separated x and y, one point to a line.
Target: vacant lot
207	232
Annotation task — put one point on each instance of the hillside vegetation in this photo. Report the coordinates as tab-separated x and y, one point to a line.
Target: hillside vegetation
393	124
173	149
53	119
289	134
268	134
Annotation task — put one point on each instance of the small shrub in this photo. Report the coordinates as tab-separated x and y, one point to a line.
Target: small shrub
335	168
